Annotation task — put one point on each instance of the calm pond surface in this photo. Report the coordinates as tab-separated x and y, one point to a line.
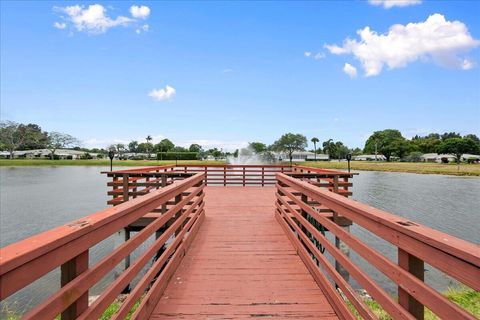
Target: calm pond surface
36	199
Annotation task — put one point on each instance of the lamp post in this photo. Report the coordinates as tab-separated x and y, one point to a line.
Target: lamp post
111	154
349	157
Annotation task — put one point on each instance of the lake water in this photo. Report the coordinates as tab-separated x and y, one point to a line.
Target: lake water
36	199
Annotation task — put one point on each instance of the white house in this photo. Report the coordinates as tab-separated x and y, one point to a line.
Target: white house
45	153
370	157
435	157
301	156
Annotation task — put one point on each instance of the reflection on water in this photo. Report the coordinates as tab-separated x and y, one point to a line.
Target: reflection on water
36	199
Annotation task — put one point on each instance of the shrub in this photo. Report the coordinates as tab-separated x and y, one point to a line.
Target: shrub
177	156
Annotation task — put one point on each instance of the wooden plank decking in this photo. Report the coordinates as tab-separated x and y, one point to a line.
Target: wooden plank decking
242	265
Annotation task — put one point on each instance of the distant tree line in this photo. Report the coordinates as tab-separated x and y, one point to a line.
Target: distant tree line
389	143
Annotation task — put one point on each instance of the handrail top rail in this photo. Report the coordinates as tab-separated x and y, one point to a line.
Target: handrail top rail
168	166
28	249
322	170
204	166
457	247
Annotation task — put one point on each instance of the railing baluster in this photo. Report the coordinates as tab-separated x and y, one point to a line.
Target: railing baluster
125	187
416	267
69	271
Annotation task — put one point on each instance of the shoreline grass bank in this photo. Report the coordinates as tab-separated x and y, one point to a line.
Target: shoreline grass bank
409	167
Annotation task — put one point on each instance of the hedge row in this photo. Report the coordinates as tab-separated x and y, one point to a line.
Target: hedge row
177	156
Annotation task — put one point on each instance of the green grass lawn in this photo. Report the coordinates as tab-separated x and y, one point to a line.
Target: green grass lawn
412	167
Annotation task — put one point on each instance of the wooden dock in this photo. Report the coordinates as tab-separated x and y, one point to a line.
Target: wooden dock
242	265
259	241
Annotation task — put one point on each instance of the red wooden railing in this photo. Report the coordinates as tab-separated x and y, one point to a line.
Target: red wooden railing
298	202
21	263
131	183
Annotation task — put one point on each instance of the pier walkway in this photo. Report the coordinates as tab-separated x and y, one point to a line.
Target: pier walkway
239	241
242	265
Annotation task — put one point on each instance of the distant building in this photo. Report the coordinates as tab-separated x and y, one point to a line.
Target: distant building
45	154
300	156
369	157
435	157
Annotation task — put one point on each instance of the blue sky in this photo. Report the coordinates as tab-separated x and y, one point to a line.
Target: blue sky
240	71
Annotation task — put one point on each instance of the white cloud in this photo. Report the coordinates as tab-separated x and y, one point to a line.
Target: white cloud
444	42
350	70
92	19
307	54
140	12
319	56
387	4
60	25
166	93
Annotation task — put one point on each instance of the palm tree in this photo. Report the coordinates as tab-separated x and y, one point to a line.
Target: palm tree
329	147
148	138
315	140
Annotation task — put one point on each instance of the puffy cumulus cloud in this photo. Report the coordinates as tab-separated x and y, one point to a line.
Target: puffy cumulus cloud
387	4
350	70
166	93
319	56
140	12
92	19
95	20
307	54
436	39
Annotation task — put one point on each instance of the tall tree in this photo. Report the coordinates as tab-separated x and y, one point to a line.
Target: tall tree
35	138
449	135
133	147
120	149
12	136
165	145
341	150
289	143
386	142
257	147
58	140
315	140
195	147
458	146
329	148
148	138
